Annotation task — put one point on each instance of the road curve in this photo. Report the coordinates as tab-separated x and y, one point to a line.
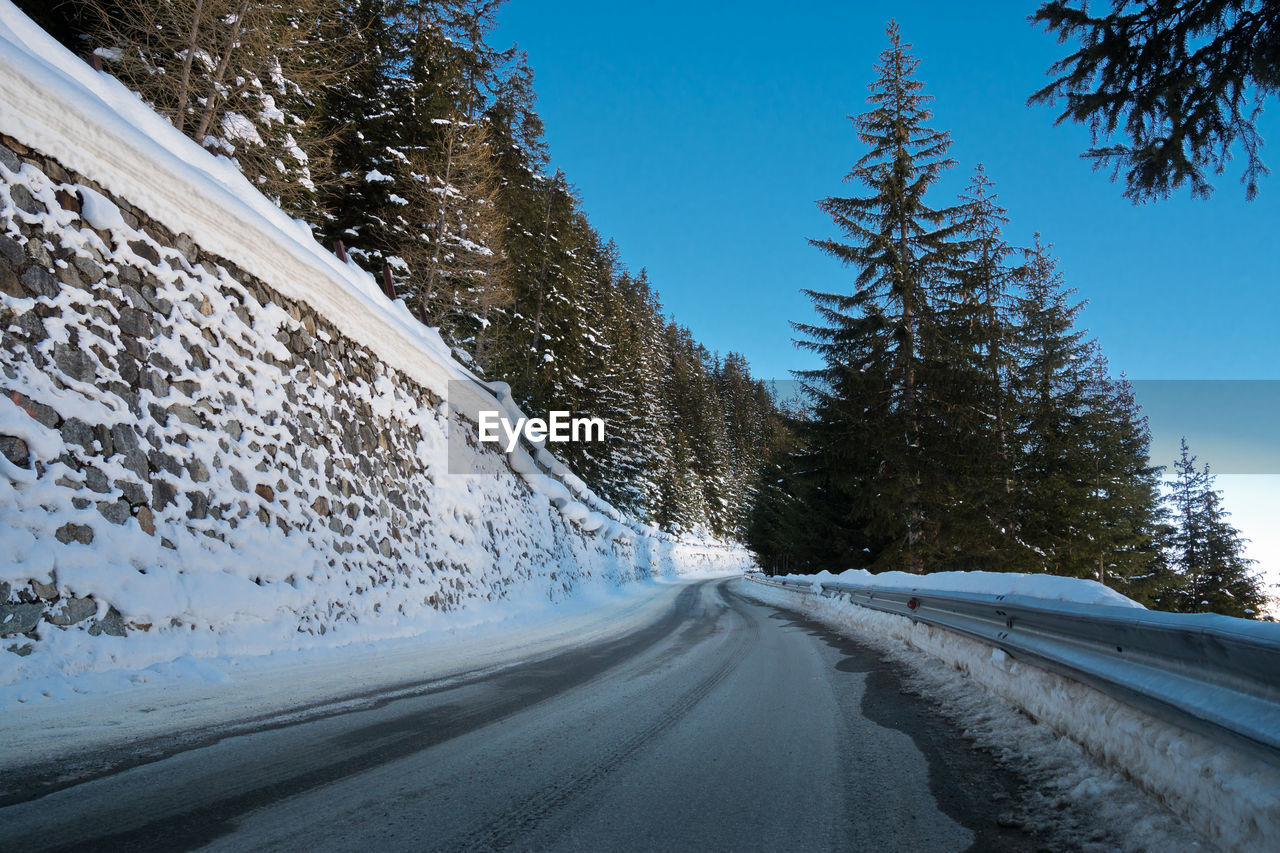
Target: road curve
724	725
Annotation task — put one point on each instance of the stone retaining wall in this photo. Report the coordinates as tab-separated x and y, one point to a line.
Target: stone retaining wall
201	451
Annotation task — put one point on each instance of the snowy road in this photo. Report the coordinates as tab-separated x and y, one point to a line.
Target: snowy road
722	725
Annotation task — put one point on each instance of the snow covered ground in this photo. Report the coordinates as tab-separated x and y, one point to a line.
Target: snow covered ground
1084	748
59	717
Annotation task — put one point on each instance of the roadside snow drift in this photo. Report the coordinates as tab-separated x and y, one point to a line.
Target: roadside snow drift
1227	795
1047	587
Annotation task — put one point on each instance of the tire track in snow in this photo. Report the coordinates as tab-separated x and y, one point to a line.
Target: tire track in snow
357	750
528	815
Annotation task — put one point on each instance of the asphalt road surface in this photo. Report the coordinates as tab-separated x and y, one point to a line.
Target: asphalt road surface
724	725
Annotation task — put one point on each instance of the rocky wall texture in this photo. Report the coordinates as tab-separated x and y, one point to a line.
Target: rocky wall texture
184	450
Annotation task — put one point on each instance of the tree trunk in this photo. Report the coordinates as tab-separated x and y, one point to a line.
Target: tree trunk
211	101
436	274
185	80
542	283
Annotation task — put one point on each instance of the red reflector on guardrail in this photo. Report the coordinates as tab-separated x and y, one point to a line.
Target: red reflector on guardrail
913	603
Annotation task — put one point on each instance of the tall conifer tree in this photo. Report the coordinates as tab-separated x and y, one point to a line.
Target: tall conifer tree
1053	384
974	406
1124	515
880	344
1207	551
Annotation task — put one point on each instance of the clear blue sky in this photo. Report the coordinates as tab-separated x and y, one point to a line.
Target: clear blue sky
700	134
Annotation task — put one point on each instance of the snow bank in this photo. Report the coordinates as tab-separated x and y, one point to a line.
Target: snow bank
63	719
1045	587
1228	796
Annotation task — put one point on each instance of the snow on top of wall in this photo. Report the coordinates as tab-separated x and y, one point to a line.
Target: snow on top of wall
1047	587
92	124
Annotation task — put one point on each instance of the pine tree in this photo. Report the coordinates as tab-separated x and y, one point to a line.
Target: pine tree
366	114
1207	553
1124	513
240	77
71	22
977	354
1185	79
479	66
777	526
540	214
750	426
836	463
881	344
1225	584
1052	381
623	393
453	232
654	407
1188	542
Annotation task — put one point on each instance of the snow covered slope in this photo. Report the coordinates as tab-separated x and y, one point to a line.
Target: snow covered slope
217	437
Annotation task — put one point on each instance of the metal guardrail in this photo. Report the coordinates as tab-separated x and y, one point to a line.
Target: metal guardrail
1216	675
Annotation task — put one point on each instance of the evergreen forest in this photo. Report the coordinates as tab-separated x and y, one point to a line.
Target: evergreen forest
959	418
